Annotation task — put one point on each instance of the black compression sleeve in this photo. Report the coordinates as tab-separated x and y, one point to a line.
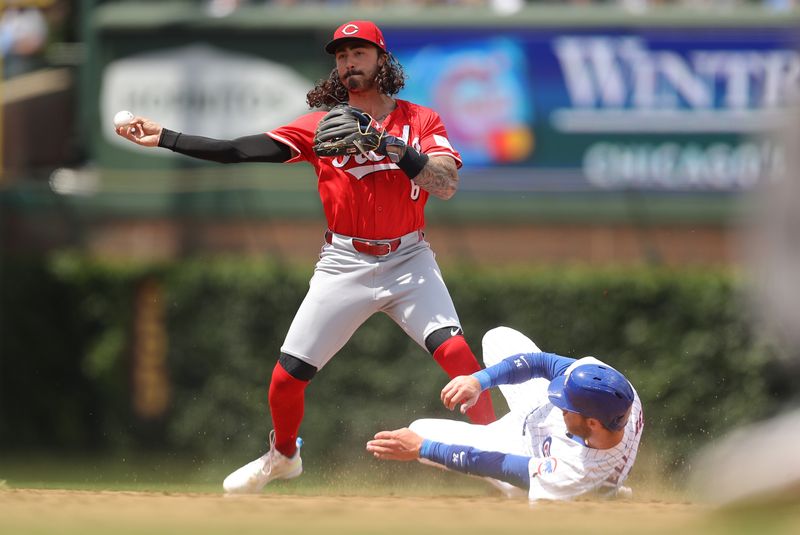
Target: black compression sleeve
257	148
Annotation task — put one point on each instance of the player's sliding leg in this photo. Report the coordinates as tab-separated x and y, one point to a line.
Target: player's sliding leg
287	404
451	352
499	344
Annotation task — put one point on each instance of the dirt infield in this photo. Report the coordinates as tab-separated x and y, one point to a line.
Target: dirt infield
24	512
87	513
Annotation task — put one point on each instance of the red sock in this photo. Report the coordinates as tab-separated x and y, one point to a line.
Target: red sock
456	358
287	404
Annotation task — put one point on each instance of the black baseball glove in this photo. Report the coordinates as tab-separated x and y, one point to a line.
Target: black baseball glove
346	130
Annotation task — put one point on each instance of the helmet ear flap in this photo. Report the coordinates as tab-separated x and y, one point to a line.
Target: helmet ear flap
619	422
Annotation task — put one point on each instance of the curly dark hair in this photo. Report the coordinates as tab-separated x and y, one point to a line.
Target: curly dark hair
330	91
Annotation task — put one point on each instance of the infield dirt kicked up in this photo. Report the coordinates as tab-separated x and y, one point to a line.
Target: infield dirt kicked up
28	511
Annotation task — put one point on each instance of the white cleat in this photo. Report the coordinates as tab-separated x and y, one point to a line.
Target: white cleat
624	493
252	477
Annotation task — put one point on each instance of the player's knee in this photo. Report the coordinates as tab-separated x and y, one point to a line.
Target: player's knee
502	342
491	340
493	336
440	336
297	368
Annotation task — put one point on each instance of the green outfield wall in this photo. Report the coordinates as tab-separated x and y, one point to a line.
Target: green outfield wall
105	358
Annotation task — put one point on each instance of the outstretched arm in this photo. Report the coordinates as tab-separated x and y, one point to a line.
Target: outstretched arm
256	148
405	445
523	367
465	389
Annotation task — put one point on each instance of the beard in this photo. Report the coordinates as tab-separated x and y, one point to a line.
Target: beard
360	80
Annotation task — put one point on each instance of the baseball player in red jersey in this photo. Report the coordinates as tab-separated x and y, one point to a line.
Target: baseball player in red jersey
375	257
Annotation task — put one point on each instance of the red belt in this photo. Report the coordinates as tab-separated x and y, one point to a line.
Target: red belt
370	247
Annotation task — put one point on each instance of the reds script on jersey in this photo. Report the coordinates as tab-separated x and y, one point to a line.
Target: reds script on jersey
370	197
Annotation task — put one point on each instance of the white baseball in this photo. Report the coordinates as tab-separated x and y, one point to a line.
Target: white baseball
123	118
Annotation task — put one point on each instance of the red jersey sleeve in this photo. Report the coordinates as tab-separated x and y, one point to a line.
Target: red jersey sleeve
299	136
433	140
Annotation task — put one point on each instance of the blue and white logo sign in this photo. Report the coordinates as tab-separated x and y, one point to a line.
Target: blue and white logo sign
568	109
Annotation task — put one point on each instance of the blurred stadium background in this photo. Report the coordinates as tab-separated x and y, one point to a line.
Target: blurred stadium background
614	154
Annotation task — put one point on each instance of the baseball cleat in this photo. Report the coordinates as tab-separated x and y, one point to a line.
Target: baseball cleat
624	493
252	477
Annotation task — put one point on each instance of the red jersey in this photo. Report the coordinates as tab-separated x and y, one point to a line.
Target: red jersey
369	196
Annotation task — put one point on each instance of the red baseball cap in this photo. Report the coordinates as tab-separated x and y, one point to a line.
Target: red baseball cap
364	30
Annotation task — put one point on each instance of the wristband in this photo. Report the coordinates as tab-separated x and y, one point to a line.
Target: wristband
483	378
425	448
413	162
168	139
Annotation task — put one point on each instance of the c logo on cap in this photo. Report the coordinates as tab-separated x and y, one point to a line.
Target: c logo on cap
350	29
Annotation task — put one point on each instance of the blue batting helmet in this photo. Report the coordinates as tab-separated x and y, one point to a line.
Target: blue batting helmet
594	391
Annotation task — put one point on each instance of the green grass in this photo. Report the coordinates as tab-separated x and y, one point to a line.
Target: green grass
167	473
164	473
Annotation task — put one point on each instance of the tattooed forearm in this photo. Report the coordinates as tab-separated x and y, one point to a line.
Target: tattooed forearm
439	177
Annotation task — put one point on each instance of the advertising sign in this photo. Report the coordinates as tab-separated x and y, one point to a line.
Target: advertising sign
662	109
203	90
